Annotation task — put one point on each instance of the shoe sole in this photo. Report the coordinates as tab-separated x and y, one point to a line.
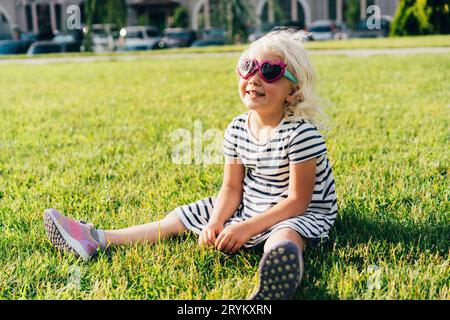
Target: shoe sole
61	239
279	274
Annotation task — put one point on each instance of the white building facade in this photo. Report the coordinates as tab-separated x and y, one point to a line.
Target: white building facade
36	15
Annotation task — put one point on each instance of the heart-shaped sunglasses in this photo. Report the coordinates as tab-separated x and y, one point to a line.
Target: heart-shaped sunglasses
268	71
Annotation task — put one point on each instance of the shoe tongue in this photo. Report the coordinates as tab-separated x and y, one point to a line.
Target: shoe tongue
94	234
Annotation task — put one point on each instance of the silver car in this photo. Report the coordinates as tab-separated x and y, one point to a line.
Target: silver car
139	38
327	30
103	37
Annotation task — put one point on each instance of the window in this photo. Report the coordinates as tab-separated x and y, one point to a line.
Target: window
152	33
29	17
332	9
58	9
43	12
135	35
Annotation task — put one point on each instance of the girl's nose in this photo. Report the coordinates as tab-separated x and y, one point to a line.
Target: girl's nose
255	79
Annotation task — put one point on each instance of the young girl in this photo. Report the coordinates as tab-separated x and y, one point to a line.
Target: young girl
278	186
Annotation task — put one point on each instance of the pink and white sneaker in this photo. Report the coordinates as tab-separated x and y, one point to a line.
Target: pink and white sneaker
70	235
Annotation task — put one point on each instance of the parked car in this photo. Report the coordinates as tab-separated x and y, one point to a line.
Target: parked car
213	34
103	37
139	38
362	30
45	47
14	46
72	39
206	43
255	34
268	27
327	30
30	36
211	37
45	34
177	37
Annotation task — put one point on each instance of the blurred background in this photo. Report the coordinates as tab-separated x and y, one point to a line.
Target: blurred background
53	26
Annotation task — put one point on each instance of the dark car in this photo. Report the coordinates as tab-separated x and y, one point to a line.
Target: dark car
211	37
213	34
14	46
45	47
177	38
206	43
362	30
30	36
71	40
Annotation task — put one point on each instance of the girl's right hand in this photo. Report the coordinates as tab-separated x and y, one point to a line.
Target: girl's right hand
209	234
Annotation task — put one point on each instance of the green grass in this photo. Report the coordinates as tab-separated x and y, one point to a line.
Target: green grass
93	140
377	43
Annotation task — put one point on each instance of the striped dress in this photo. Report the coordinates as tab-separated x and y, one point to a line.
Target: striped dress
267	179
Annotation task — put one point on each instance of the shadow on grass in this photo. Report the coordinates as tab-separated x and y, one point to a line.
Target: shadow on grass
355	226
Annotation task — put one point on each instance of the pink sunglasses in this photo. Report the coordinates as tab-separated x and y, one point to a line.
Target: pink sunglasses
268	71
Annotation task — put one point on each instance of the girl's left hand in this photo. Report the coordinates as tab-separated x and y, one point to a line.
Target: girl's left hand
233	237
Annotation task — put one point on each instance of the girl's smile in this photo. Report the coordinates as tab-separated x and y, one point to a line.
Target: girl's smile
254	93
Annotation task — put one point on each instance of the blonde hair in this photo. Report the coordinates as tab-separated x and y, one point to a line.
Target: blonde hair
288	45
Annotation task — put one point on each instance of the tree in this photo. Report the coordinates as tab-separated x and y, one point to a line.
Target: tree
420	17
237	19
112	12
411	18
440	16
352	13
181	17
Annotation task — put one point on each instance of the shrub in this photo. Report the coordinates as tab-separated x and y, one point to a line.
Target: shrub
181	18
421	17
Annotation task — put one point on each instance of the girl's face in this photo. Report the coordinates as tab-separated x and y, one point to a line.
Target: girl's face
263	97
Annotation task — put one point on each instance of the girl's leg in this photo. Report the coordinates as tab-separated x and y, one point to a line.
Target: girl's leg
281	267
147	233
76	236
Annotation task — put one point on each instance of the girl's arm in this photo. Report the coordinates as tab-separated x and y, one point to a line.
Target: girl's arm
301	187
230	195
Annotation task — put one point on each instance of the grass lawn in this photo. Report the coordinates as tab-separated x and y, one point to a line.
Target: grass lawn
94	140
370	43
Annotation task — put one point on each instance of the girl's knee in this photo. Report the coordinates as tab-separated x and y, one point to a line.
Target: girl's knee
285	234
173	223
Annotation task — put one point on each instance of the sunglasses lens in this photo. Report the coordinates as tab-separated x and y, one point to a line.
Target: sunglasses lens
247	67
271	72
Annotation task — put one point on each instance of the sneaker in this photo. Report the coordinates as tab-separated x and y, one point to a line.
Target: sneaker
279	273
70	235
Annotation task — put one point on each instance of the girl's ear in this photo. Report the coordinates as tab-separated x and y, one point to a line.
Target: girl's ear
290	97
294	89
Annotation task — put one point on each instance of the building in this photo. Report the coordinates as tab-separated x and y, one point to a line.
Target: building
304	11
38	15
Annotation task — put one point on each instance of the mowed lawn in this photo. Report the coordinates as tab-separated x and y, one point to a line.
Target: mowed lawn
94	141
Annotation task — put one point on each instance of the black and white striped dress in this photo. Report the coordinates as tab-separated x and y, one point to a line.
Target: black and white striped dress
267	179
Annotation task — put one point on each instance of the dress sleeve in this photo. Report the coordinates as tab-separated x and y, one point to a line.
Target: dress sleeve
306	143
230	143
